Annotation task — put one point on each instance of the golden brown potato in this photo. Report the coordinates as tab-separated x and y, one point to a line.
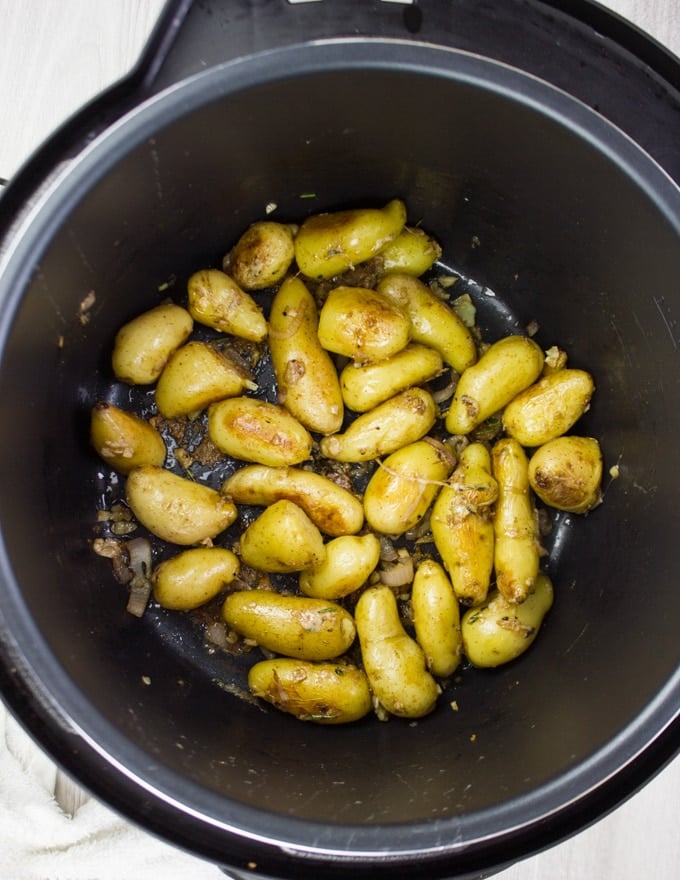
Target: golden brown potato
254	430
307	380
362	324
365	386
329	244
325	693
216	300
433	322
332	508
436	618
262	255
517	547
402	419
506	368
282	539
400	492
462	525
350	560
394	662
499	631
295	626
566	473
193	577
175	509
195	376
123	440
143	345
413	251
548	408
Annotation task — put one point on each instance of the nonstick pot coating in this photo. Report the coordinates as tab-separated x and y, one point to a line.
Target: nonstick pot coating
559	219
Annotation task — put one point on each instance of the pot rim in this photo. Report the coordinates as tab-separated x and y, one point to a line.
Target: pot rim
48	697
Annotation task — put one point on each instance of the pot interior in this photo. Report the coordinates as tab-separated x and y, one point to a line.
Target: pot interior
555	225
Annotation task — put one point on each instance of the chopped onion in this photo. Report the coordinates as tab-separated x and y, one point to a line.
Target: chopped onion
139	553
400	574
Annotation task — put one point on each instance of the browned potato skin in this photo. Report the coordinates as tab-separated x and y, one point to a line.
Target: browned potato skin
331	243
402	419
262	255
123	440
362	324
433	323
143	345
462	526
517	547
308	382
254	430
549	407
176	509
332	508
324	693
293	626
566	473
218	301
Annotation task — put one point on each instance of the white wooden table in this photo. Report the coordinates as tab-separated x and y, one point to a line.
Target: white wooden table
54	56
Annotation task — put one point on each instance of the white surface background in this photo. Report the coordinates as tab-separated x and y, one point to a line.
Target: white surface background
53	57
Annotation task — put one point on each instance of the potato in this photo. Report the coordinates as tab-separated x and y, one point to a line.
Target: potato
462	527
123	440
400	492
362	324
216	300
295	626
506	368
257	431
175	509
307	380
517	548
402	419
195	376
262	255
499	631
436	618
548	408
433	322
332	508
326	693
143	345
394	662
566	473
282	539
413	251
365	386
193	577
329	244
350	560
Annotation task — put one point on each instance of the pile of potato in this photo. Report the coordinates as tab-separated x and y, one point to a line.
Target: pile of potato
354	364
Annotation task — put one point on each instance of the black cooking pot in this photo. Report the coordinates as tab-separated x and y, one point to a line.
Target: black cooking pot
561	214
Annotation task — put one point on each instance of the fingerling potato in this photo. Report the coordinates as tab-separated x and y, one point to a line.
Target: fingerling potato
506	368
349	562
365	386
566	473
193	577
216	300
394	662
282	539
254	430
262	255
294	626
142	346
329	244
307	379
325	693
123	440
176	509
500	631
436	618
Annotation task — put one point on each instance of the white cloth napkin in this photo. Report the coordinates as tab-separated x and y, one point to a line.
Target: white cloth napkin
38	841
